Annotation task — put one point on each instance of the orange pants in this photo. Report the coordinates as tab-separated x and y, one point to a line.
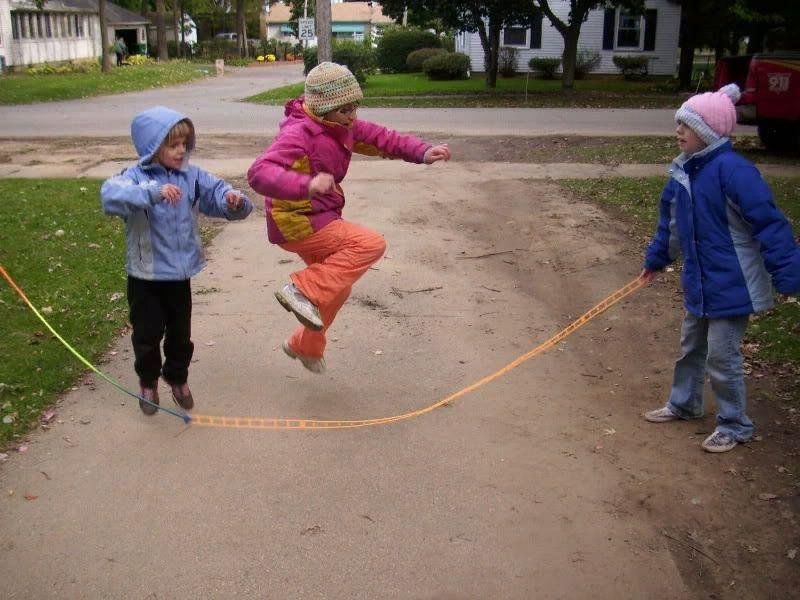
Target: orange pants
337	256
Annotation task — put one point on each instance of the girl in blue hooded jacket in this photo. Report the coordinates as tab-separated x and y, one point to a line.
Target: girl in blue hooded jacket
160	199
718	214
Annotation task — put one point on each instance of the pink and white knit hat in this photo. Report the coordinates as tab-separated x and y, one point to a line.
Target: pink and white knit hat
329	86
711	115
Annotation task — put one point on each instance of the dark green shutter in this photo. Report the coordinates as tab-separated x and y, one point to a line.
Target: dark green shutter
650	18
608	29
536	30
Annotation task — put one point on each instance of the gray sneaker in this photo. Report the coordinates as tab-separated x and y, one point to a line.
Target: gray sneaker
719	442
315	365
661	415
294	301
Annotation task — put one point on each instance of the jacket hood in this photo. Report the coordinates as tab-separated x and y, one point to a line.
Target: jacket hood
149	129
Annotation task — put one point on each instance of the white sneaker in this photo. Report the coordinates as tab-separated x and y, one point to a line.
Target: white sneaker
294	301
661	415
315	365
719	442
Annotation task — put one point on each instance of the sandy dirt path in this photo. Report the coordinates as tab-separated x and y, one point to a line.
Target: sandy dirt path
543	484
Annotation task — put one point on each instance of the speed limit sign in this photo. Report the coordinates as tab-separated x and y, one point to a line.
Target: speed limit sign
305	28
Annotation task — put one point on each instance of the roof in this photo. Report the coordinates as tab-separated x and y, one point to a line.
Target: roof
115	15
350	12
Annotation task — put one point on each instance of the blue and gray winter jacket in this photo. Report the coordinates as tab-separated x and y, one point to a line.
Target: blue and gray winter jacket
718	213
163	240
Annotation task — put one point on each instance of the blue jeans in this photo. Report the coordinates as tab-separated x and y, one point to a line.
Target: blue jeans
712	345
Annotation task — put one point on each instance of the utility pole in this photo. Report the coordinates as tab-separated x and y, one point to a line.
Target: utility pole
305	16
324	49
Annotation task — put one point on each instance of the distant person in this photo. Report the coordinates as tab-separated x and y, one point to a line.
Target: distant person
120	49
160	199
299	173
718	213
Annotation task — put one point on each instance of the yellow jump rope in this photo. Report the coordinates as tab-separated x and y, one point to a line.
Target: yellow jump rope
284	423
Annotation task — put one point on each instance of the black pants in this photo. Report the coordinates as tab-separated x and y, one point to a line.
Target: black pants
161	309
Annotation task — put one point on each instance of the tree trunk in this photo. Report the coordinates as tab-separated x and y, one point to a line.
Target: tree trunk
323	24
569	56
106	55
161	31
241	28
178	25
494	51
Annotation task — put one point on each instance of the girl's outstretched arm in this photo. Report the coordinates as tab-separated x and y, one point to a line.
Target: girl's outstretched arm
375	140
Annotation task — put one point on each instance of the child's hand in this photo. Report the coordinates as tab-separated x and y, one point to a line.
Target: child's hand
434	153
321	183
171	193
234	200
647	276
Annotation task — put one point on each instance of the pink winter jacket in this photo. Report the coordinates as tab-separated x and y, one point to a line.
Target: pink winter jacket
307	145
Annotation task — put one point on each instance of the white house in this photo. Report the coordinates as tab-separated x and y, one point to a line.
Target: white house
63	30
607	31
349	21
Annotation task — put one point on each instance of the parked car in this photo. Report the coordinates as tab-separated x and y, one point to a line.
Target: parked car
770	85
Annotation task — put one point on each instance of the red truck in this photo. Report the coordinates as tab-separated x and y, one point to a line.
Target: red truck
770	85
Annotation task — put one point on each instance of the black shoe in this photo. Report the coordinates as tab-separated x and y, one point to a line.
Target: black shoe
150	394
182	396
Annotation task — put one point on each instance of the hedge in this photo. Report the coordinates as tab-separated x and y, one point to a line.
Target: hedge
397	43
450	65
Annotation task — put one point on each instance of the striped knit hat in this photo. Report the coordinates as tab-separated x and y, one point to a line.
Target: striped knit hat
329	86
711	115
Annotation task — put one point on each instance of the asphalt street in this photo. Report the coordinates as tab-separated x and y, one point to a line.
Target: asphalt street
216	107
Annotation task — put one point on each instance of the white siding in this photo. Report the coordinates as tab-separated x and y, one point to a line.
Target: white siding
41	49
663	58
5	30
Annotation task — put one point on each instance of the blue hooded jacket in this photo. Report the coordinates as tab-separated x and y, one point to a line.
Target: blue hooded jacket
163	241
718	213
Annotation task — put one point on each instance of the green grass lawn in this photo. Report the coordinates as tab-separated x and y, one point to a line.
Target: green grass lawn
416	90
26	89
68	257
776	333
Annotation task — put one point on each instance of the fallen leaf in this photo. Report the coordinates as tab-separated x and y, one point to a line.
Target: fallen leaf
210	343
48	416
609	431
30	497
378	352
791	554
765	496
22	448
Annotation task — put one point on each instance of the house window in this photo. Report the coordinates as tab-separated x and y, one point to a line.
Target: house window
515	36
15	26
78	26
629	30
48	26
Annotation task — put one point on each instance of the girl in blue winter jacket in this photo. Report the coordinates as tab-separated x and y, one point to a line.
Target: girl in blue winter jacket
160	199
718	214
